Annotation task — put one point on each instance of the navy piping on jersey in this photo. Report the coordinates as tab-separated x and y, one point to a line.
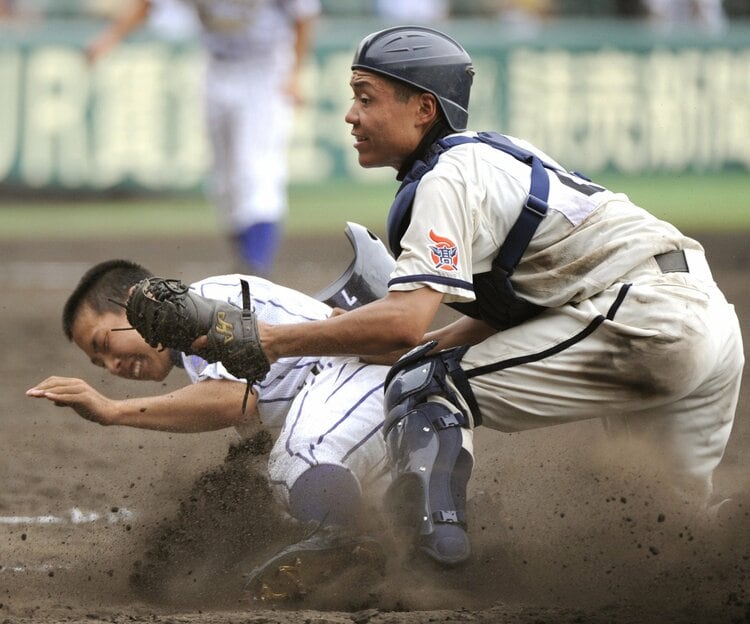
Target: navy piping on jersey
286	398
366	396
343	383
291	433
282	399
437	279
361	442
311	363
315	461
348	413
565	344
276	380
338	375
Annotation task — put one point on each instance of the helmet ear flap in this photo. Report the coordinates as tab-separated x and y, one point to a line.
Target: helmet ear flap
424	58
366	278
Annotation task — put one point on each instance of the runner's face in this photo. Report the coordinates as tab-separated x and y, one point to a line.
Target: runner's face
386	128
123	353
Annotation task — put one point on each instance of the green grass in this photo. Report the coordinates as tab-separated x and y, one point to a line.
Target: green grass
318	208
716	201
692	202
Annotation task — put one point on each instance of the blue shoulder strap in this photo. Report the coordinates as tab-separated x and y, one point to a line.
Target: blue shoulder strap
400	213
534	210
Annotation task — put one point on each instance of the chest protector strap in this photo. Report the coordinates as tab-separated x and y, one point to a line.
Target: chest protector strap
496	302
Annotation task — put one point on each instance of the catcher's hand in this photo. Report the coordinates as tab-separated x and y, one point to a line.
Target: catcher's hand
167	313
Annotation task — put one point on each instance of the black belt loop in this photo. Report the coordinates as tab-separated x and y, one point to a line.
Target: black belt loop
672	262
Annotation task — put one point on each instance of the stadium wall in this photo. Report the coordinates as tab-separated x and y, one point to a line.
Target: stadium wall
600	95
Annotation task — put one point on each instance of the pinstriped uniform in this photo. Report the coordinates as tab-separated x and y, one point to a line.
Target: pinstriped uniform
322	410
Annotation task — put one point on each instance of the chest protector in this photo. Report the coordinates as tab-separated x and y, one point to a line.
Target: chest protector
496	302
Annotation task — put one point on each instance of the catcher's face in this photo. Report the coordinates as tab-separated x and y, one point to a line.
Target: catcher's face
387	126
123	353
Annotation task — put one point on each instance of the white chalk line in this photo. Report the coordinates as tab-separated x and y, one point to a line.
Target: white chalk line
75	516
44	568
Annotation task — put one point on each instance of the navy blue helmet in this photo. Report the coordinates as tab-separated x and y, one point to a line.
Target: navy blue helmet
423	58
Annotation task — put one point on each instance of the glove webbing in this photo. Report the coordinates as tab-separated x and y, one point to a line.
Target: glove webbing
246	307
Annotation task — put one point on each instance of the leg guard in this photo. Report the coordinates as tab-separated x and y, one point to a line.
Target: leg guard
427	430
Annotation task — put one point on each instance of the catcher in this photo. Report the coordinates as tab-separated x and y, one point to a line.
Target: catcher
576	303
325	413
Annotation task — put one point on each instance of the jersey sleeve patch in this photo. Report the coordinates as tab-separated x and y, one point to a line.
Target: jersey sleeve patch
443	252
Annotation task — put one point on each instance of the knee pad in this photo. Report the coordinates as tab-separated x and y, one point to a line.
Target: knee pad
426	431
417	376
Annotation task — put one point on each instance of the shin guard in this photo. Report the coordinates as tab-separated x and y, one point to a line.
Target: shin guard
427	434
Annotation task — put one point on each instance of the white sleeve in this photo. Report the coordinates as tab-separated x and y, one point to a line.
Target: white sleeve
199	370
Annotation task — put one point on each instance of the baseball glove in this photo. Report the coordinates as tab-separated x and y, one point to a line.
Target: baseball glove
168	314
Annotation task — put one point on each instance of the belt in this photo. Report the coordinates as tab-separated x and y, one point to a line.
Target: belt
672	262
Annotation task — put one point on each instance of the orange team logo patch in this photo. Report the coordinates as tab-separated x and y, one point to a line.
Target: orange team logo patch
444	253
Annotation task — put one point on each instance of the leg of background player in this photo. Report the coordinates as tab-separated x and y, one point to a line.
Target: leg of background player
258	245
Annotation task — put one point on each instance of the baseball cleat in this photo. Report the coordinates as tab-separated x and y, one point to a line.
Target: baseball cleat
330	554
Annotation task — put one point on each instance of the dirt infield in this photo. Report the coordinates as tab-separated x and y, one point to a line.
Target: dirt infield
119	525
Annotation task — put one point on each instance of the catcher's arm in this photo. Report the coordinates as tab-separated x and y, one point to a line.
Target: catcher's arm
464	330
206	406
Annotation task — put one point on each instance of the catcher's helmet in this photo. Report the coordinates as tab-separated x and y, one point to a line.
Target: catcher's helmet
424	58
366	278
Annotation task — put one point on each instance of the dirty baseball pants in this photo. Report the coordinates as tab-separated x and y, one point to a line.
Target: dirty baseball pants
658	356
335	420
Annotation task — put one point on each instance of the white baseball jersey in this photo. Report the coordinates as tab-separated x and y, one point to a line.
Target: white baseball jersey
251	28
658	351
251	53
322	410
